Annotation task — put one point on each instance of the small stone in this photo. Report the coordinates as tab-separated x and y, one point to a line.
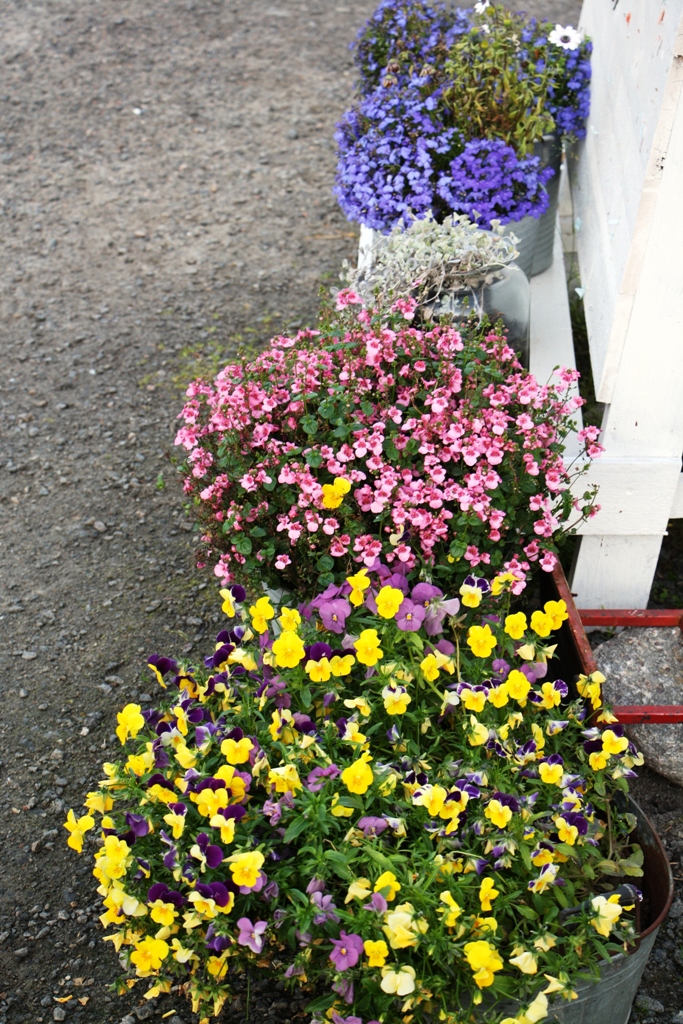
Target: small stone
144	1012
144	698
57	755
678	1019
152	606
21	953
675	912
99	526
645	666
23	692
114	680
46	1001
29	655
128	1019
59	1013
61	782
104	687
649	1005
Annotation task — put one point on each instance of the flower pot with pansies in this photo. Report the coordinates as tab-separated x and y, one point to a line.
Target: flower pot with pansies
387	797
462	113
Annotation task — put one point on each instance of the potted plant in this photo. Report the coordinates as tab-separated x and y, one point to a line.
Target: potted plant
384	797
466	116
370	437
452	267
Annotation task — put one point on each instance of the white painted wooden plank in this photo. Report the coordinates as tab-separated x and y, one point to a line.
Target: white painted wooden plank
645	417
636	88
677	507
636	496
552	343
615	572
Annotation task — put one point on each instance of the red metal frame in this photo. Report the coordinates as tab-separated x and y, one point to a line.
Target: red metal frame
638	714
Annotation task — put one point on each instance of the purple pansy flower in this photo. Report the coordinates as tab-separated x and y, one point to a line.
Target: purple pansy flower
334	614
372	826
213	855
410	616
251	934
347	951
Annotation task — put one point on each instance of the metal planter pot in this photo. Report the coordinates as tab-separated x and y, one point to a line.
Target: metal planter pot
526	233
537	234
504	294
549	149
609	1000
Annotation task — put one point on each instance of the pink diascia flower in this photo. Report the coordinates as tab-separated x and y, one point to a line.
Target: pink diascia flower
347	297
367	442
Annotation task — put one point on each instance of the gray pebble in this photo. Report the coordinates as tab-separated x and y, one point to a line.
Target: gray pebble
648	1004
99	526
61	782
678	1019
676	912
59	1013
645	666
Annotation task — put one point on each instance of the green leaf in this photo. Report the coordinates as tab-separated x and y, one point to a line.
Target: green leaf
599	785
607	867
527	912
338	864
257	531
526	857
325	579
630	869
309	424
560	896
295	829
325	563
321	1004
314	459
269	486
243	545
306	698
567	850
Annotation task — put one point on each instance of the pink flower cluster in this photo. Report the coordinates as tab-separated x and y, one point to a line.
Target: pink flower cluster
372	438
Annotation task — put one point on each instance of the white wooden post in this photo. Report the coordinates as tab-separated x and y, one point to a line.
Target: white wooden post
628	205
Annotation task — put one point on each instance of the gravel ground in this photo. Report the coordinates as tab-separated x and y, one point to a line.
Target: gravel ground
165	193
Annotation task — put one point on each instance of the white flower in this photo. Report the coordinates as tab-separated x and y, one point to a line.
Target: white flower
481	6
399	983
568	38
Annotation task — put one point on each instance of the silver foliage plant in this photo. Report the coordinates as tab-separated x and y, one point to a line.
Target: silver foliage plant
428	258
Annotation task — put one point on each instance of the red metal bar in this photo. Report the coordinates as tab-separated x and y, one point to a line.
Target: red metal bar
576	630
632	617
656	714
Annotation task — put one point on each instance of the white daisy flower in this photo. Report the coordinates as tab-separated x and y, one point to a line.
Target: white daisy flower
481	6
568	38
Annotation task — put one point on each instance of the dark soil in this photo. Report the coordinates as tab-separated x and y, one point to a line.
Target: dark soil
166	171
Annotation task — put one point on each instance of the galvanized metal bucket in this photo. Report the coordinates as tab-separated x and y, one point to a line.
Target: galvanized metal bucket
549	149
609	1000
526	233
